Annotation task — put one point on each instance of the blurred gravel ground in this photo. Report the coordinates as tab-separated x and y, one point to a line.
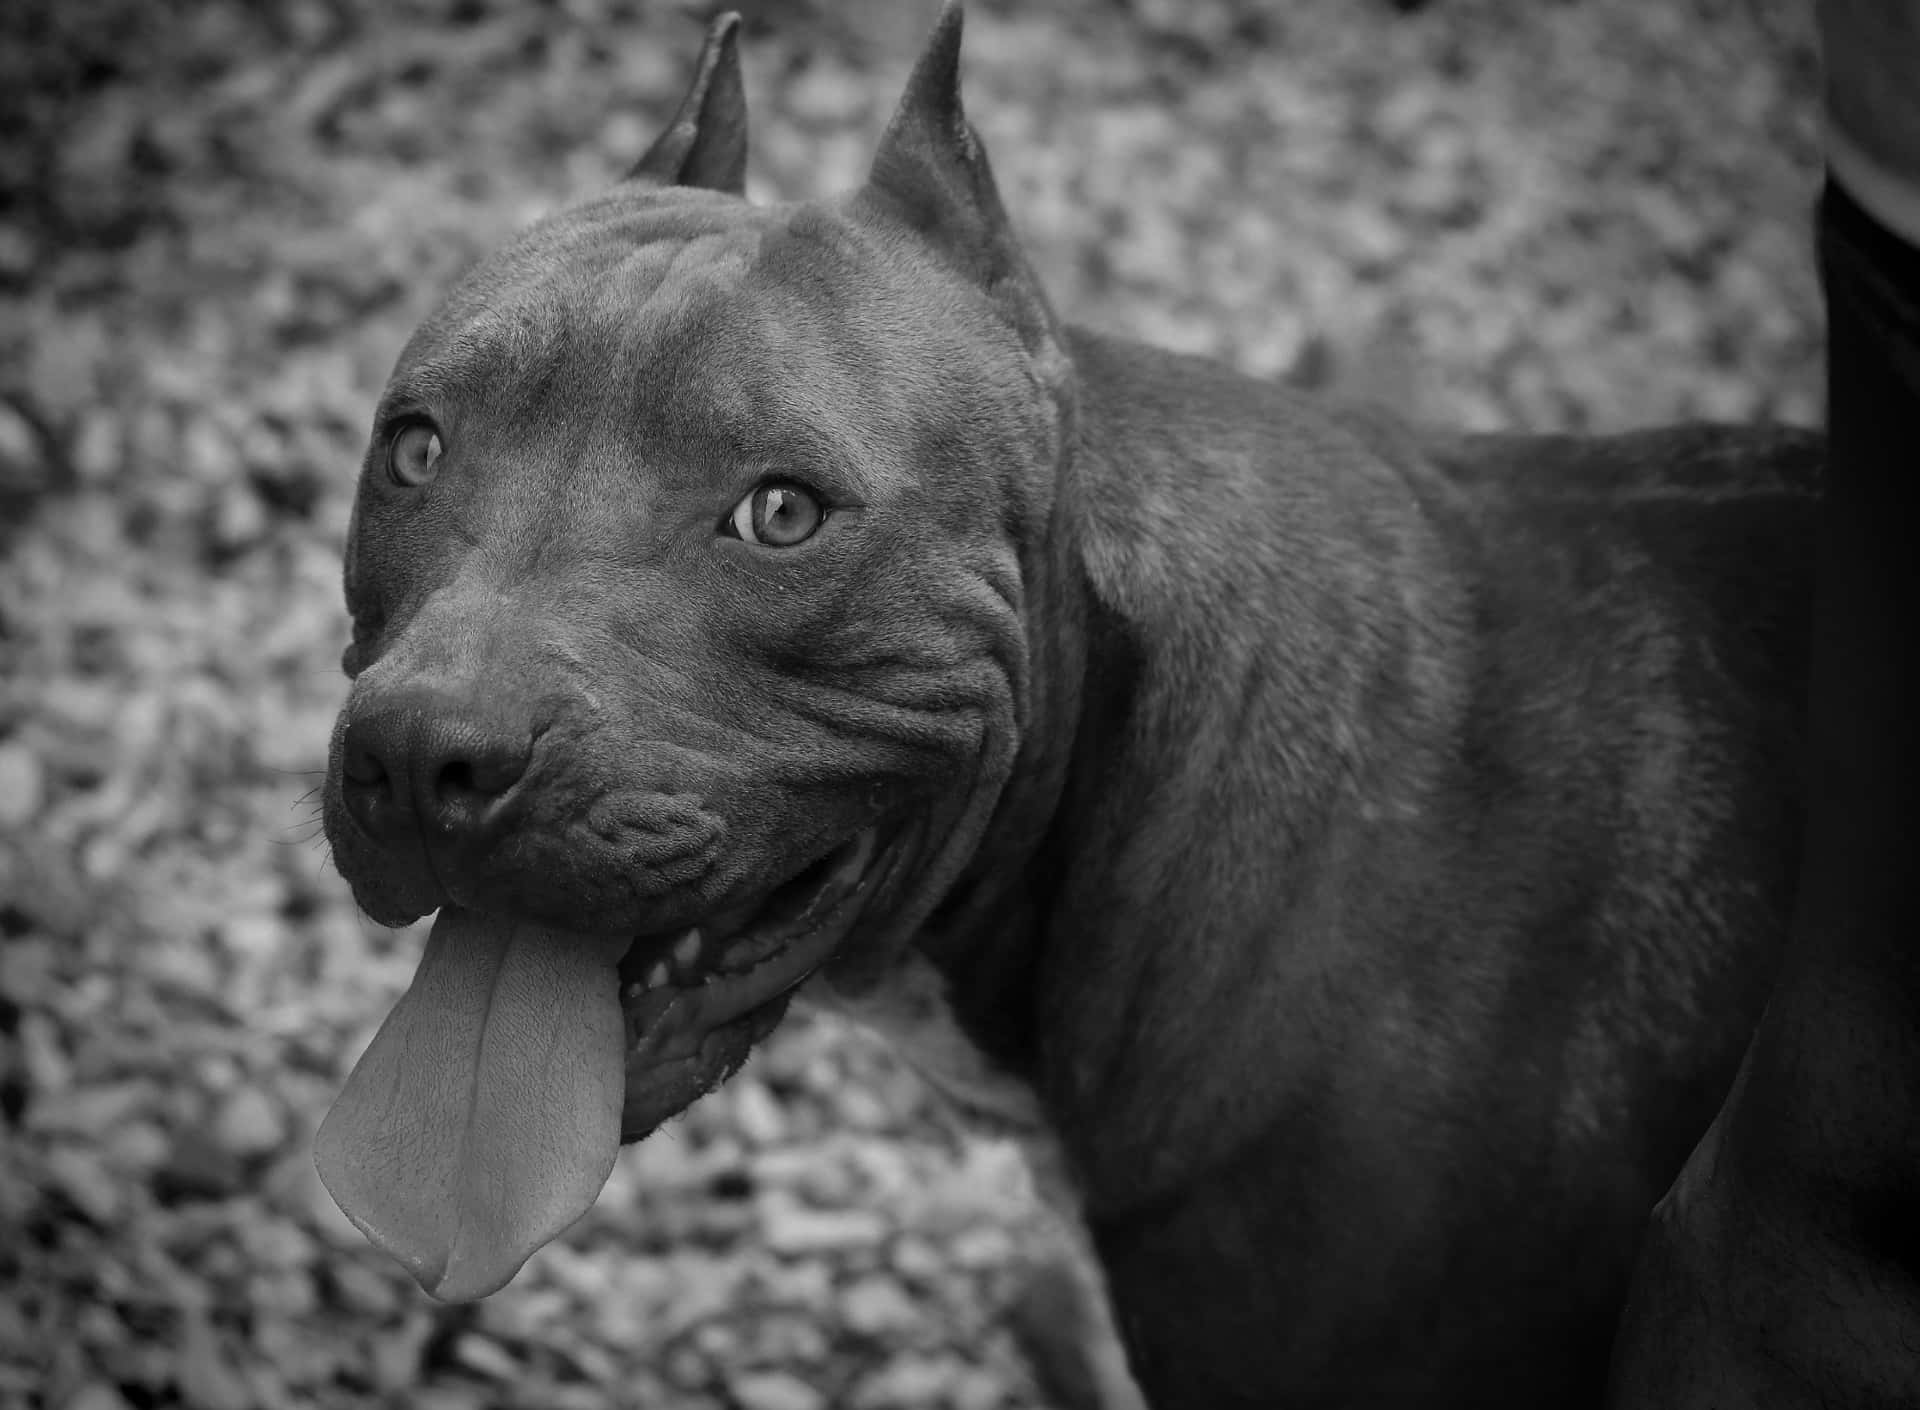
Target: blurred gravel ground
217	223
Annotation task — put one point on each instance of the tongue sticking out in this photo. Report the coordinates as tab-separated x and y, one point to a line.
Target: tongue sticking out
485	1116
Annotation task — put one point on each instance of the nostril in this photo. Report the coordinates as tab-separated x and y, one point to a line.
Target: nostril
479	778
457	780
366	787
362	767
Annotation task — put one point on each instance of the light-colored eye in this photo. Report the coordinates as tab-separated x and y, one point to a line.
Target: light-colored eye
778	515
413	455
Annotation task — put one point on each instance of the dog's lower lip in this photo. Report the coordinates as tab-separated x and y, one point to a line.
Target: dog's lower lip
679	987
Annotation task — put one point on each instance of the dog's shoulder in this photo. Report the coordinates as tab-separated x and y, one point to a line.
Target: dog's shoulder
1713	521
1695	464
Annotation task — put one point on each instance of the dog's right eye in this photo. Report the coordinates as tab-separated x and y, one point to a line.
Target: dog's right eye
413	454
777	515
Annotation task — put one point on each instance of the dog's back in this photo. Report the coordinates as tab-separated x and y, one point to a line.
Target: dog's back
1547	888
1649	595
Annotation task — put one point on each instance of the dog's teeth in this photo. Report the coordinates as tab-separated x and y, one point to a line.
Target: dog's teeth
657	976
633	991
686	956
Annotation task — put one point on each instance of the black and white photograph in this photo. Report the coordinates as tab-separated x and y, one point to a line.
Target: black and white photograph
959	705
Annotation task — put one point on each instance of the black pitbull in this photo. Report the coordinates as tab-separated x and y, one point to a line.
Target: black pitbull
1365	848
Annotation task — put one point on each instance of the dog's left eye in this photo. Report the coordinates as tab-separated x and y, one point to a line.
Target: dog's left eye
778	515
413	454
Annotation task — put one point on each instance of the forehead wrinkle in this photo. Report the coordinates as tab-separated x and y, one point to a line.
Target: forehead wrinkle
730	397
590	330
694	326
586	244
648	302
492	338
792	307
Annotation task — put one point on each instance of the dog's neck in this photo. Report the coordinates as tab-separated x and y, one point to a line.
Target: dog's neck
1241	584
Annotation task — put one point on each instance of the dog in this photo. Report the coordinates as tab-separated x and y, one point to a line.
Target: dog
1361	849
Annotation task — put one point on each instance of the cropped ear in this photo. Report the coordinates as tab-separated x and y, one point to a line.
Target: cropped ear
706	143
932	174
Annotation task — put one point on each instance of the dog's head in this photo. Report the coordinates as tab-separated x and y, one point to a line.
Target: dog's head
689	579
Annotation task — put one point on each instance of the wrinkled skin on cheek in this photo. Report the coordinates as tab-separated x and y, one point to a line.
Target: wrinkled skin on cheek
651	794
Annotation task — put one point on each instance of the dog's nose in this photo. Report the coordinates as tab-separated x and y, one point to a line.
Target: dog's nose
440	760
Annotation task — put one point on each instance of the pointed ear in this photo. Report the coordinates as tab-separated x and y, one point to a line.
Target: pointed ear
706	143
931	173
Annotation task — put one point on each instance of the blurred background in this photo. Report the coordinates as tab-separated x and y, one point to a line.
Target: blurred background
218	222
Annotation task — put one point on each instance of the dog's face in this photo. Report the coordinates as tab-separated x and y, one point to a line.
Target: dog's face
686	576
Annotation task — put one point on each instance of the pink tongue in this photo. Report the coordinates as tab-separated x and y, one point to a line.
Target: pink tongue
485	1116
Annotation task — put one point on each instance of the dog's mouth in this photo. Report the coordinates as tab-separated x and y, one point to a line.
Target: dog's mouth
695	1001
486	1114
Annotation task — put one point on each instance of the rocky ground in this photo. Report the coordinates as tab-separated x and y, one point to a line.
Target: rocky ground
217	222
